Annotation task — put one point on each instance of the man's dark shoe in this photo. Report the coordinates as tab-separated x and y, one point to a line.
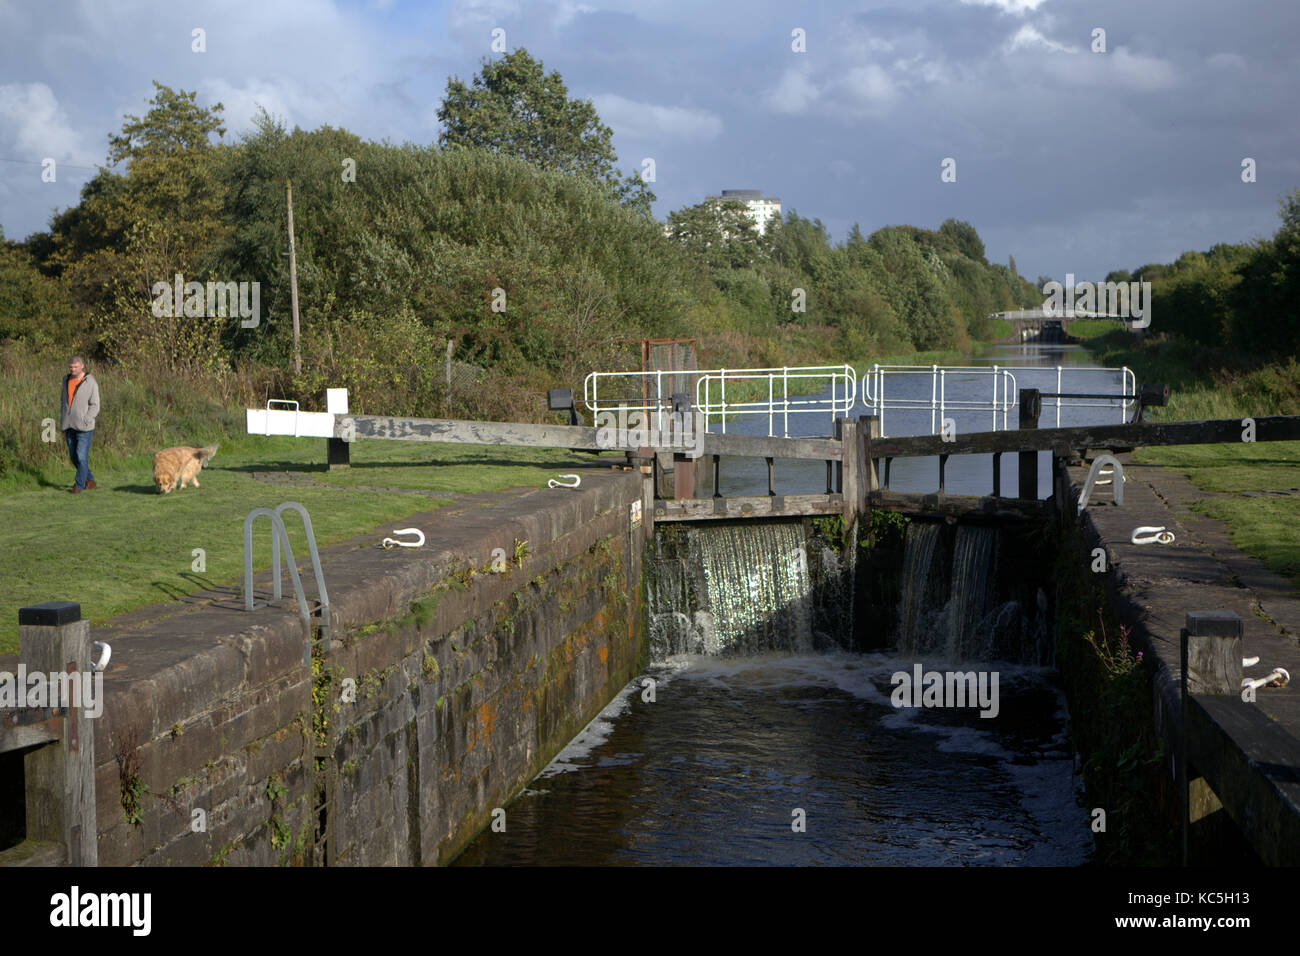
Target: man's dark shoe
76	490
90	485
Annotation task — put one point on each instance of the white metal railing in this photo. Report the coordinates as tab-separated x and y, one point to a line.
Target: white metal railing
651	393
633	391
840	380
1065	312
1003	391
831	390
1003	400
1127	397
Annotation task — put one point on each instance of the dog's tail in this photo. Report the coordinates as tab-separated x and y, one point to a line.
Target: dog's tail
205	454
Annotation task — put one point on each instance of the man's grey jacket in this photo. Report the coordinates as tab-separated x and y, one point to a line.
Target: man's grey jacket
85	405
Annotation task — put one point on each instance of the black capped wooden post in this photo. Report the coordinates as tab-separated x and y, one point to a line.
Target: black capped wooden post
337	450
1210	650
1031	406
60	776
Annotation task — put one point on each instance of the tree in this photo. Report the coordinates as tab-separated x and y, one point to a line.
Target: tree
719	234
515	108
916	290
34	307
801	244
163	216
965	237
174	125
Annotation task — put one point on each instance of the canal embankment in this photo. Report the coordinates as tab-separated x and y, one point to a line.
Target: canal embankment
1242	749
455	672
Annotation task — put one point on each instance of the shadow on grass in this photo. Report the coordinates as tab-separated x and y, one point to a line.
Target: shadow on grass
471	462
204	589
306	466
170	591
41	479
138	490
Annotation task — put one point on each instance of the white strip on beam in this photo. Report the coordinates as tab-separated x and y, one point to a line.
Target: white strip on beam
278	421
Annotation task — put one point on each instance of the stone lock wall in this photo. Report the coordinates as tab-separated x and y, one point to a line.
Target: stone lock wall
448	685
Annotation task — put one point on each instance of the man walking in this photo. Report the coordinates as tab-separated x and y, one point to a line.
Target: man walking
80	405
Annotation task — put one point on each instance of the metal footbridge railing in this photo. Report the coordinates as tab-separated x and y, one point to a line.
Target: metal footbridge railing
720	394
832	391
882	383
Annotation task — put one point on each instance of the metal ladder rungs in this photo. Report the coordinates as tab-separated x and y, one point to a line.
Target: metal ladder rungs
280	538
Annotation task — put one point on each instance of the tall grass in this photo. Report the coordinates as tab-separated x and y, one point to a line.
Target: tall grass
1205	382
139	413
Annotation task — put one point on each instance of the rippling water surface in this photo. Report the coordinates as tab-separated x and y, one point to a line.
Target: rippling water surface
714	770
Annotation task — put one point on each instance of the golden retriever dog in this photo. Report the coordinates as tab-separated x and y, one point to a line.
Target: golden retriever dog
176	467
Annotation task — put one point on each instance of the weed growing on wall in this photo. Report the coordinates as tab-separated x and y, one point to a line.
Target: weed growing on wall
1122	759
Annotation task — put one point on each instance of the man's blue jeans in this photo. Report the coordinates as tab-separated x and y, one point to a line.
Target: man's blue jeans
79	452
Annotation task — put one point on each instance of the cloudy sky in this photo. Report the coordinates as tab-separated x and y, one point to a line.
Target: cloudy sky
1069	159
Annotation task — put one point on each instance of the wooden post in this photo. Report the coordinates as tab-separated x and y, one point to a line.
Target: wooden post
450	348
645	460
54	639
837	432
1210	649
683	476
871	431
1213	642
293	280
665	474
851	479
680	422
1031	405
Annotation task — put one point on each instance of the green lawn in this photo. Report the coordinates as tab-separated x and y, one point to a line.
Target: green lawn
1264	526
123	546
1255	466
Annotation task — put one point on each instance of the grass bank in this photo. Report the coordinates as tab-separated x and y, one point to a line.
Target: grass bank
124	546
1210	383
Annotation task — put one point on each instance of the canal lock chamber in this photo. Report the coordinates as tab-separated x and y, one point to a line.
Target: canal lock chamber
763	732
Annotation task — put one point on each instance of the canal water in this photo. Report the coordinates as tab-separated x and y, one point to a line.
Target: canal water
799	757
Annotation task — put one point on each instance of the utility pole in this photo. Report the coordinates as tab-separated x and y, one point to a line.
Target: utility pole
293	281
